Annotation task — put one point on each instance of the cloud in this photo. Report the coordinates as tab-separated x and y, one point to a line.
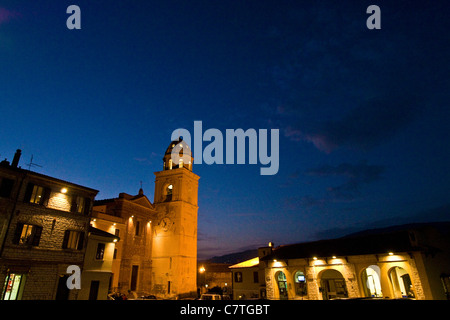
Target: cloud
7	15
364	127
356	175
434	214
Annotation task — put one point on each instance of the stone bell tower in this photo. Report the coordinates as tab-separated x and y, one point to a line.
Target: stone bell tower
174	248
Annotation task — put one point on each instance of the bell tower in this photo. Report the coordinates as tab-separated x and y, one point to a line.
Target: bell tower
174	248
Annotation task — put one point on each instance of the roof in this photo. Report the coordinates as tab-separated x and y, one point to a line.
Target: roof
377	241
124	196
246	264
102	233
43	176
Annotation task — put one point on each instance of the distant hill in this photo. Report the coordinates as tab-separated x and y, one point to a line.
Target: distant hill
234	258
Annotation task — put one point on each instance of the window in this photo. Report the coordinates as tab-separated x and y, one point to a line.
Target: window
73	240
115	253
300	283
37	194
80	205
238	277
100	251
116	232
27	234
138	228
12	289
6	187
255	277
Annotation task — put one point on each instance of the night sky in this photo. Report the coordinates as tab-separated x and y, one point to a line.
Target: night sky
363	114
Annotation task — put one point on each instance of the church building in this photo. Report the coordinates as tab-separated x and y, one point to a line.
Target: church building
157	253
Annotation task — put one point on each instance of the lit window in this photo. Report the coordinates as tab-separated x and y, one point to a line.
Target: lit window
80	204
36	196
12	288
73	240
27	234
300	283
100	251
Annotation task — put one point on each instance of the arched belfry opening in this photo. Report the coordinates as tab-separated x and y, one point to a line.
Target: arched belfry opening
178	155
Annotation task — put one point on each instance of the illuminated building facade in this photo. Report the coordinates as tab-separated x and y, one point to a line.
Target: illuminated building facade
410	261
44	225
248	280
157	253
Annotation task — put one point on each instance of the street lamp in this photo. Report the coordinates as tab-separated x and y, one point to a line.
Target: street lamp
202	283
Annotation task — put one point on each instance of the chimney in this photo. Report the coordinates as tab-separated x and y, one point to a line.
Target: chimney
16	159
265	251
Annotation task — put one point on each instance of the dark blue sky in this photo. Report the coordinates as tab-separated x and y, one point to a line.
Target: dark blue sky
363	114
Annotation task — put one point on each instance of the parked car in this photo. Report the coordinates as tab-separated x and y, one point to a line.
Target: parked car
210	296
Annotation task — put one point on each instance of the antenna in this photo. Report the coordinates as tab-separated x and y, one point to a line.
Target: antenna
31	164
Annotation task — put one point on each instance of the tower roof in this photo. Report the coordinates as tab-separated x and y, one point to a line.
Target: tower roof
182	146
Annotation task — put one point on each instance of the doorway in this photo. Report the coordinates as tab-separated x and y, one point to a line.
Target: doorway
62	293
134	277
401	283
333	285
93	292
282	285
371	281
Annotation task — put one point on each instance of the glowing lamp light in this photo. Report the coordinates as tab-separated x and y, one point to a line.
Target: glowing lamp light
391	253
315	258
64	190
334	257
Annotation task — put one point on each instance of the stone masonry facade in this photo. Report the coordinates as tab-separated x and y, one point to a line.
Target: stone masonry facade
44	229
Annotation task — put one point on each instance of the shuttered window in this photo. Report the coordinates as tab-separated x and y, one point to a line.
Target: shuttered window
37	194
27	234
73	240
80	205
